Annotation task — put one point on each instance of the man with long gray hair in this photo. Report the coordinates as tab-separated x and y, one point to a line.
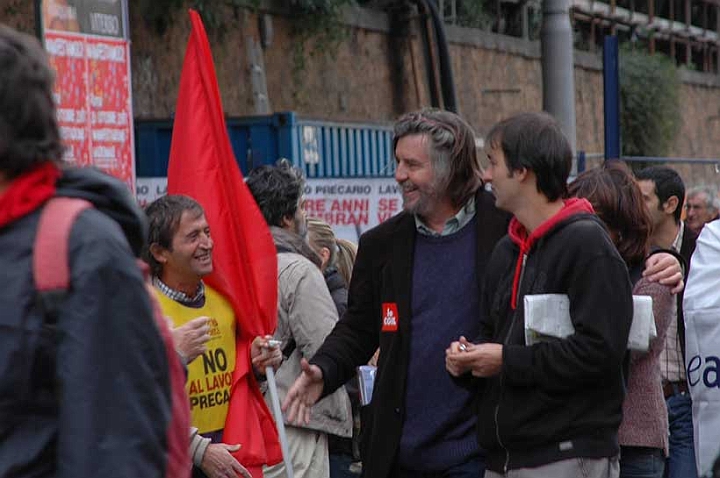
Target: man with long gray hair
424	267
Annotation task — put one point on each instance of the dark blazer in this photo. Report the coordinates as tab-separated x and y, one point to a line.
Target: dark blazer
383	273
687	247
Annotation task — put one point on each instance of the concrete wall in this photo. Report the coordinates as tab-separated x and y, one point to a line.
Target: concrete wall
376	74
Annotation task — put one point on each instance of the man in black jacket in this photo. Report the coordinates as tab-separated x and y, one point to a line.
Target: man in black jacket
552	408
415	285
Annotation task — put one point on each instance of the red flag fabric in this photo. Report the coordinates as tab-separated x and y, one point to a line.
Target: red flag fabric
202	166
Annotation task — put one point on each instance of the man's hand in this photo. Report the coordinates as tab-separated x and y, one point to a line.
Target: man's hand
191	339
264	355
303	394
665	269
374	359
483	360
217	462
452	365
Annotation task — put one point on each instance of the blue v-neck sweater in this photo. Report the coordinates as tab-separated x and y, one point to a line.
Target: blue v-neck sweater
439	427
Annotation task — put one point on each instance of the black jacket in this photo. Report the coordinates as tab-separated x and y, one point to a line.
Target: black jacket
562	398
383	273
686	250
337	288
93	399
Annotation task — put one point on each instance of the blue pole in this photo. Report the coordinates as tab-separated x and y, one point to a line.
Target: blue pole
581	162
611	93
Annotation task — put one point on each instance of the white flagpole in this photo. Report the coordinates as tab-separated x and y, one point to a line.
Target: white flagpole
279	422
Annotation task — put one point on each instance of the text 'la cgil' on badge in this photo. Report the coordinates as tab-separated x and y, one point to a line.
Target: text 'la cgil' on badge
390	317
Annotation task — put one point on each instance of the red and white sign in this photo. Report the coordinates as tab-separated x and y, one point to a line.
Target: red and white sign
90	53
350	205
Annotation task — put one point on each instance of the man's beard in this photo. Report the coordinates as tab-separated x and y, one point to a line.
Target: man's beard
426	199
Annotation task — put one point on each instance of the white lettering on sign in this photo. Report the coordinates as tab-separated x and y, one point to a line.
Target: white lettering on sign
66	115
390	319
69	133
104	24
103	152
65	48
96	101
105	52
109	135
350	205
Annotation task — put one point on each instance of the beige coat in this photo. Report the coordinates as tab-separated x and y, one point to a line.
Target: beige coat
307	314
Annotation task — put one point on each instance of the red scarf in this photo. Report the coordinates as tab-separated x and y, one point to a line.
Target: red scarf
518	234
28	192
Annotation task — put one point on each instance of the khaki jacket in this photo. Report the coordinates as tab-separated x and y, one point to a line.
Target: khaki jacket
307	314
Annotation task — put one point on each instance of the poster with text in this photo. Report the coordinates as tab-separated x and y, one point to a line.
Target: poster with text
88	47
350	205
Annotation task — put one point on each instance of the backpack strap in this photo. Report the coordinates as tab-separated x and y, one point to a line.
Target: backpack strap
51	259
51	275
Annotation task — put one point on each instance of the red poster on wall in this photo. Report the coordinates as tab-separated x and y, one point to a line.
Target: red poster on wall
90	52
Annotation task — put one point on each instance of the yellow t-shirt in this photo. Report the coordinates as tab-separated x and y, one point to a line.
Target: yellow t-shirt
209	375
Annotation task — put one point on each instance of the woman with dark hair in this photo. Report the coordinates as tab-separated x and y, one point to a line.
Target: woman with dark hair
618	202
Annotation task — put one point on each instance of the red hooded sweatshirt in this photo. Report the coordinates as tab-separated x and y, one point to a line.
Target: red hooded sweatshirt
518	234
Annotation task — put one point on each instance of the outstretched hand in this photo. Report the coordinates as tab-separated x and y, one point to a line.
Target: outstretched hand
303	394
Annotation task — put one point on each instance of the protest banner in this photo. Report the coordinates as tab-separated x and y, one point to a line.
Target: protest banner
88	46
350	206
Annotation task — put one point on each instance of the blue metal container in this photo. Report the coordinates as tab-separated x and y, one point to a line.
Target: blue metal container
321	149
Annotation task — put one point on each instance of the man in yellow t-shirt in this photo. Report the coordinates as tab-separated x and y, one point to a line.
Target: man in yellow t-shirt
180	255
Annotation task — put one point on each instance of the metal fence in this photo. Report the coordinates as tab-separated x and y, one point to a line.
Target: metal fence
694	171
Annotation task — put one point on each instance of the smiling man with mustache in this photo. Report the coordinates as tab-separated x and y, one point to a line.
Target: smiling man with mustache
179	253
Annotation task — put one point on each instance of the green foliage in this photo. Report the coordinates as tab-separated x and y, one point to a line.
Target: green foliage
322	7
158	13
474	14
649	103
321	21
318	22
314	22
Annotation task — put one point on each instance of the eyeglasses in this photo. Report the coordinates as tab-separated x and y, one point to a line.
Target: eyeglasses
694	207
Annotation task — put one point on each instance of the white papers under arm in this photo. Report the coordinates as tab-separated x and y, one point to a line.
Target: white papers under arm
642	329
547	317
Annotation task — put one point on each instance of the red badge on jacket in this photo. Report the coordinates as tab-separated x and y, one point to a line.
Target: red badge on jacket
390	317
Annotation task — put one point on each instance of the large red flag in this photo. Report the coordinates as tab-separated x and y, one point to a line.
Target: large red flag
202	166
